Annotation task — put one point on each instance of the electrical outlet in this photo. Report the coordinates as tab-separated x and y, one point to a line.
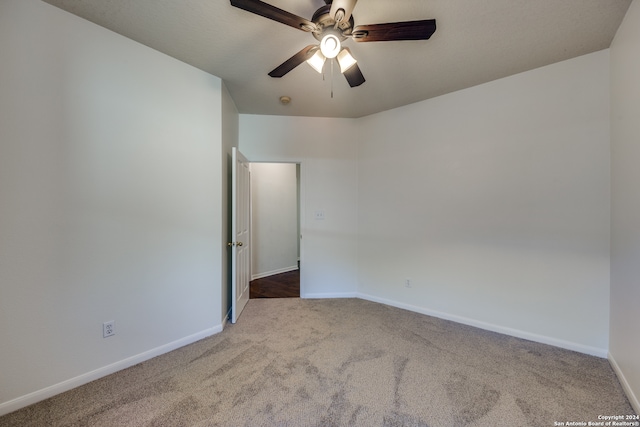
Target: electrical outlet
407	283
108	328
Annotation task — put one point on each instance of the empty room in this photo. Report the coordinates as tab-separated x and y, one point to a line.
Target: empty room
468	218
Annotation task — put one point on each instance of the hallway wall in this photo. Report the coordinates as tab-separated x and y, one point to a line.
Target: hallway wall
274	219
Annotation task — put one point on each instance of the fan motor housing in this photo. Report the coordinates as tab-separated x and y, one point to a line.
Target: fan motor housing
322	18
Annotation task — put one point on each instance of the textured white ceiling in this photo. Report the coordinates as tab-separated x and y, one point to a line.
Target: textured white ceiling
475	42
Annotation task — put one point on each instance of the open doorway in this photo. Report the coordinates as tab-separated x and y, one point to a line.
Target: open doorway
275	230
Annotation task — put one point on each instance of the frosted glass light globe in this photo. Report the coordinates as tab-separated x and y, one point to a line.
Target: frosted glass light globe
330	46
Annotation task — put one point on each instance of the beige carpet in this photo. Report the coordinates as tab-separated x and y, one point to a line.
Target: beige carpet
292	362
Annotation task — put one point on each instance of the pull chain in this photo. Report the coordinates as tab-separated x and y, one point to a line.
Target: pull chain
332	79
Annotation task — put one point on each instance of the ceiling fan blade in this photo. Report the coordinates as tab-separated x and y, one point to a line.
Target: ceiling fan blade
263	9
354	76
409	30
293	62
347	7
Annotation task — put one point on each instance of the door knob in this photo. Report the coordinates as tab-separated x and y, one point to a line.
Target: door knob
239	243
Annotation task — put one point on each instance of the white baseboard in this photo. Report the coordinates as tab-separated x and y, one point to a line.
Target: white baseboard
47	392
580	348
330	295
271	273
633	399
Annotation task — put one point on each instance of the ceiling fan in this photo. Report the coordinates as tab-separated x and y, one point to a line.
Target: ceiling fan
331	25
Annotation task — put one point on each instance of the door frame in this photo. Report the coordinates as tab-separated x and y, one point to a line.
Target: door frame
301	214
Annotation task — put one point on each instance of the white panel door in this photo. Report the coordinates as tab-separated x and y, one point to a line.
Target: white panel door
241	232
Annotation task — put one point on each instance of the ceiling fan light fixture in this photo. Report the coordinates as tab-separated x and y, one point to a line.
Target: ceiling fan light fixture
345	60
330	45
317	61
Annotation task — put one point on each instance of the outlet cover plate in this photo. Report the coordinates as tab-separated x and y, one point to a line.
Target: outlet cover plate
108	328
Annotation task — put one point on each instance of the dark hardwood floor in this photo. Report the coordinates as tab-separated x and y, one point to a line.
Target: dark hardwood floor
283	285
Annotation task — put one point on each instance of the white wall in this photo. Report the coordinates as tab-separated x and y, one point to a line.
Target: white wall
624	345
110	202
327	151
494	201
274	219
